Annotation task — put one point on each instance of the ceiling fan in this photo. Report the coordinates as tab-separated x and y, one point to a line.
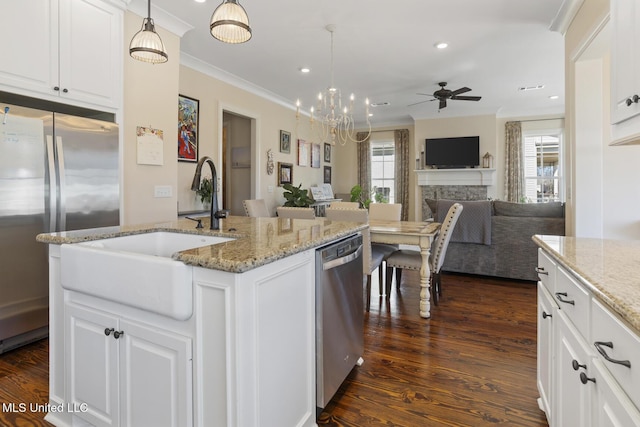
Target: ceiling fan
443	94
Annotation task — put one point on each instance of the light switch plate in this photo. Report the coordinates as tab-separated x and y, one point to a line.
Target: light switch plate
162	191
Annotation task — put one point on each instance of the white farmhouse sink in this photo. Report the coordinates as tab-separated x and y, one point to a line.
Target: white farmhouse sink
135	270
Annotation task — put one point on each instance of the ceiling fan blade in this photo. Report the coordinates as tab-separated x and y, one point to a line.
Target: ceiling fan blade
425	94
416	103
459	91
443	104
467	98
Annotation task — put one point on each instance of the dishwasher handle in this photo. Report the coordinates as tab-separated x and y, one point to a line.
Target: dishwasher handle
343	260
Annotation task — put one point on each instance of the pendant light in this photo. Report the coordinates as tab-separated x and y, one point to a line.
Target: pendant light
146	44
230	23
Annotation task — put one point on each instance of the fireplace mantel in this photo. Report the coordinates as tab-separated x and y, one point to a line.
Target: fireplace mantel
469	176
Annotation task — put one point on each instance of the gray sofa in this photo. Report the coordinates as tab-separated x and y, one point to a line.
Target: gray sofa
512	253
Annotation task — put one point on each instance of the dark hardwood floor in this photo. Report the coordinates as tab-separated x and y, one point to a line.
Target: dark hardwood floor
472	364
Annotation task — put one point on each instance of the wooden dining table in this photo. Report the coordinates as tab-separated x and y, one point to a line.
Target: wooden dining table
418	233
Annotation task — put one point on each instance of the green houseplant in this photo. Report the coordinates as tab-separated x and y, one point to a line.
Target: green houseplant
205	190
296	196
357	195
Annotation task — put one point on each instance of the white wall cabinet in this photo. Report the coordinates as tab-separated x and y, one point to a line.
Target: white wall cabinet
63	50
123	373
625	71
583	391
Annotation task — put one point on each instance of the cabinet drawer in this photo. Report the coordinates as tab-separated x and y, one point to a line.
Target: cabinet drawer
625	347
546	271
573	300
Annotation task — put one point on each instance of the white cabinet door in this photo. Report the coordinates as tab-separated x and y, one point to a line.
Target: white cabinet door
612	407
90	51
126	373
625	59
155	377
29	47
572	397
546	314
92	365
73	50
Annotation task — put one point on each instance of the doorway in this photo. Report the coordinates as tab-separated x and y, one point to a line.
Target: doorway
237	160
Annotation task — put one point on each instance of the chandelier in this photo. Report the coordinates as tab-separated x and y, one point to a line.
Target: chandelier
330	120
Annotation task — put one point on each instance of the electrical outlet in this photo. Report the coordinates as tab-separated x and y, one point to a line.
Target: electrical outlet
162	191
270	189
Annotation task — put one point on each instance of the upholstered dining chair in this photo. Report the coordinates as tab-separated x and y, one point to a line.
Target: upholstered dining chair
256	208
412	260
386	212
371	259
295	212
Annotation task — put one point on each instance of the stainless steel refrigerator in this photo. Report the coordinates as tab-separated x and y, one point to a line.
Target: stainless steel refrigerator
57	172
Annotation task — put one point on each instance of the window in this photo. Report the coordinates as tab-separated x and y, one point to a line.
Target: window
383	163
543	166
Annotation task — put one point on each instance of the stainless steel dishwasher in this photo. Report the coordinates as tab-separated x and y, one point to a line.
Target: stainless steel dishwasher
339	314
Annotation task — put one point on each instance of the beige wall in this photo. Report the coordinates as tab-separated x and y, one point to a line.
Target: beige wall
150	99
216	96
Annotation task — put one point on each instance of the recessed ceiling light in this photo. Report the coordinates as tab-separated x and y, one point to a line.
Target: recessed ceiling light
554	97
200	1
370	114
527	88
441	45
305	70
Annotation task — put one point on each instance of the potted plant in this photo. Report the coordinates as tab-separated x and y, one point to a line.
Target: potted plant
205	190
296	196
358	196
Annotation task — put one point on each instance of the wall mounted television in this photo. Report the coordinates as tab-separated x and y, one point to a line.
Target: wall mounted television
460	152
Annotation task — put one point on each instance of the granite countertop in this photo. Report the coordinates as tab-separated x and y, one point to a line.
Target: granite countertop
259	241
609	268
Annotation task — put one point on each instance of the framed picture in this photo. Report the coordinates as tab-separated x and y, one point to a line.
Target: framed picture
303	153
327	174
188	110
285	141
315	155
285	173
327	153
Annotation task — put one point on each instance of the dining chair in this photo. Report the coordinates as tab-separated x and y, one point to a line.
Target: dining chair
256	208
295	212
386	212
412	260
371	258
345	205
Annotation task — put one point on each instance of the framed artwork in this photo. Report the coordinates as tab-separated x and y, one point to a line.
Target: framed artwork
303	153
285	141
327	174
327	153
188	110
315	155
285	173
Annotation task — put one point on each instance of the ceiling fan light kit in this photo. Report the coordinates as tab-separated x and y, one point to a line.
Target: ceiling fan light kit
230	23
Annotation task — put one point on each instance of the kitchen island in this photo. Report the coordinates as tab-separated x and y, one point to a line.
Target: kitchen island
243	354
589	331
